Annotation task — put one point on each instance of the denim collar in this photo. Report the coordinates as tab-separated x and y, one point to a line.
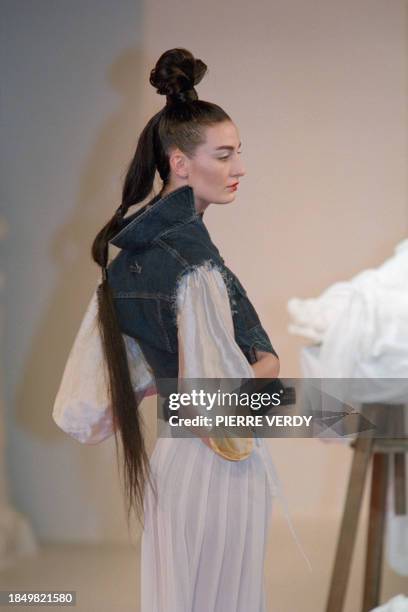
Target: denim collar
145	225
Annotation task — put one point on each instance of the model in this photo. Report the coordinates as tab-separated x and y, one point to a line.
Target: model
205	501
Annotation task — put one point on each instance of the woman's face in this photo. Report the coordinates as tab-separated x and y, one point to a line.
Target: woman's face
214	167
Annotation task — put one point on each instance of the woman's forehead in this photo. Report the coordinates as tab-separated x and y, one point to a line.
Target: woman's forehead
222	135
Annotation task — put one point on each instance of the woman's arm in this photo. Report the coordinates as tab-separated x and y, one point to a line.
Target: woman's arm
207	342
266	366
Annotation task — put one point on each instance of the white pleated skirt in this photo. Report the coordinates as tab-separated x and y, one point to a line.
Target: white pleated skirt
204	543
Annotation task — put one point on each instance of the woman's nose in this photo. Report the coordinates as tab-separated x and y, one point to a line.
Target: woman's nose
239	169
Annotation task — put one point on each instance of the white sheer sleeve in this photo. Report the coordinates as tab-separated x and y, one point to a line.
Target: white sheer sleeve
81	408
207	345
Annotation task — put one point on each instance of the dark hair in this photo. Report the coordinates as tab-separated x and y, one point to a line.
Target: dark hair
181	123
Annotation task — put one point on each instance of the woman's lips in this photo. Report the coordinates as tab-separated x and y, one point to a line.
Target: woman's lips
233	187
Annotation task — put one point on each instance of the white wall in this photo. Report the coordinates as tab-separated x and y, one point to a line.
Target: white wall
319	93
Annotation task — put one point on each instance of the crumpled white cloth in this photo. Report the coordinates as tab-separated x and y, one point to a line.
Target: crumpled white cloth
399	603
362	325
361	328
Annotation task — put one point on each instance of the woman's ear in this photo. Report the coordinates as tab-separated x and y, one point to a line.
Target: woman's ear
179	163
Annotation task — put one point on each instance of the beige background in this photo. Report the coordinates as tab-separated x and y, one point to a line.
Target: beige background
319	93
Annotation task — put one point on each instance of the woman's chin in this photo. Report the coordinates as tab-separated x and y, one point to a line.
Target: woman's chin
227	198
230	196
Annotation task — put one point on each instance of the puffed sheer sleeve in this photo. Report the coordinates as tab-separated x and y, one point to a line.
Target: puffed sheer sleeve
81	408
207	345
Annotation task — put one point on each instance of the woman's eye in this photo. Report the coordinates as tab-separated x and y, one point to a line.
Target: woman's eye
227	156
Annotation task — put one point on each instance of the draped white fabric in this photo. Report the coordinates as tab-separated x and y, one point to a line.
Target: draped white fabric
362	324
362	330
204	542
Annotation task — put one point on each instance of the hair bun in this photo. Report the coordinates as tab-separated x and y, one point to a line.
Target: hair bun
176	73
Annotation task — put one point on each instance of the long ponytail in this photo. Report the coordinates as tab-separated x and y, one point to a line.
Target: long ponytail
179	123
124	401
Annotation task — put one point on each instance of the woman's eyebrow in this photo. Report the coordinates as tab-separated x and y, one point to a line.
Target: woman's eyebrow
227	147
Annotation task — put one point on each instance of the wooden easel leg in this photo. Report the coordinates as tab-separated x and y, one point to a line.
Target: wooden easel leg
400	477
400	499
348	529
376	528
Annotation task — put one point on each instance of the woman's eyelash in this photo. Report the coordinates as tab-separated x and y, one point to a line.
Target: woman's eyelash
227	156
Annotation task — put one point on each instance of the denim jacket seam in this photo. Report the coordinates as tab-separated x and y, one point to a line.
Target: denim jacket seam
119	295
175	227
172	251
212	263
163	327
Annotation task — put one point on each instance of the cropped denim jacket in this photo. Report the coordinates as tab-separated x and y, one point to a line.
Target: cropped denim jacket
159	244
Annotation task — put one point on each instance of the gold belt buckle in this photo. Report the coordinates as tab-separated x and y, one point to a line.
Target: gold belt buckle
231	448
